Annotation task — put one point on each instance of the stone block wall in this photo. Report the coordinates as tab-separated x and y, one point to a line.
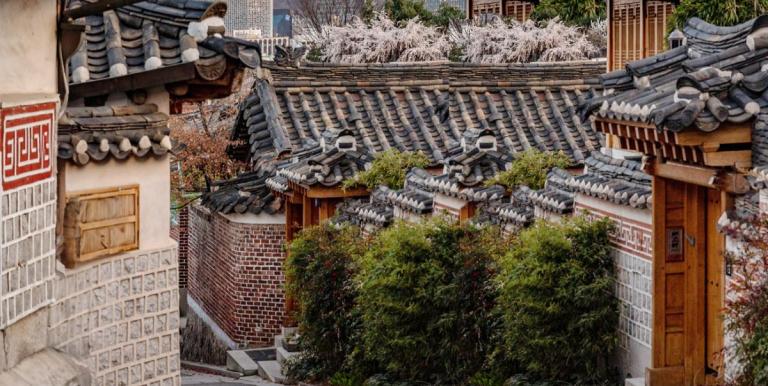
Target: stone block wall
236	275
27	249
120	316
632	244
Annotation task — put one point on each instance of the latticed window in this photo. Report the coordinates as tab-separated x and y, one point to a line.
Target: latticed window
486	7
657	15
519	10
626	40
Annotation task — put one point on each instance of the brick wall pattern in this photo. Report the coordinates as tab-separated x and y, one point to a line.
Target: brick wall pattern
120	316
180	233
27	249
236	275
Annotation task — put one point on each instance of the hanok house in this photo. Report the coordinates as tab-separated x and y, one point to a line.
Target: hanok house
305	130
696	112
89	271
519	10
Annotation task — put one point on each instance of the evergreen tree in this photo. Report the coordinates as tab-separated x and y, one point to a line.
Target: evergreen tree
718	12
404	10
575	12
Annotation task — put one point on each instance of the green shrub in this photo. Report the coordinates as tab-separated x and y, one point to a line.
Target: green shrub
574	12
320	269
560	314
426	296
530	168
718	12
746	315
388	168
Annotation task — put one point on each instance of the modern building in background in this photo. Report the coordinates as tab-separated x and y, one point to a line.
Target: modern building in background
519	10
249	19
434	5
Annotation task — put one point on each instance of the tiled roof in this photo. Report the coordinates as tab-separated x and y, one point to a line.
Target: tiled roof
415	196
466	173
151	34
96	133
614	180
329	168
556	196
245	194
514	213
618	181
744	220
374	212
719	75
428	107
471	119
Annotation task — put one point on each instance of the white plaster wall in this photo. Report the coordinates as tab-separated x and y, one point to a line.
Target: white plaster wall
256	219
28	47
154	180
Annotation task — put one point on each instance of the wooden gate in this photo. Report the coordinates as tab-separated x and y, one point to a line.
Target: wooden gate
688	284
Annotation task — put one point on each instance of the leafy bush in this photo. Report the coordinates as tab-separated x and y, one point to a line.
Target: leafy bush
426	297
573	12
530	168
560	316
389	168
320	268
747	311
718	12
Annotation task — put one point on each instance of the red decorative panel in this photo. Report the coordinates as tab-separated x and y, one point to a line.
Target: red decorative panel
27	132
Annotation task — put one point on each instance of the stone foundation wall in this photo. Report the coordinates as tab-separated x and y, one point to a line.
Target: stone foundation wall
27	250
236	275
120	316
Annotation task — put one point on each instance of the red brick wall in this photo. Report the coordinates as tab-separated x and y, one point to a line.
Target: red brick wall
235	273
181	235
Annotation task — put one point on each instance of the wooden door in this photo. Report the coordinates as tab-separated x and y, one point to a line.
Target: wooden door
687	287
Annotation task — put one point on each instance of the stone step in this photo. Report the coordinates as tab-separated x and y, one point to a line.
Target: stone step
634	382
239	361
271	371
283	355
246	361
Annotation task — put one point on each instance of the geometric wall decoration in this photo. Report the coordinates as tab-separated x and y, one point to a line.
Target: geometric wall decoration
27	133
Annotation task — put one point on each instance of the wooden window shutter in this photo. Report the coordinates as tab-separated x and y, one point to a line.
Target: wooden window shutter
519	10
626	38
657	15
100	223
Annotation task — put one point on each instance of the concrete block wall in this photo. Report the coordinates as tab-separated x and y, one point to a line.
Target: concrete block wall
236	275
120	316
27	249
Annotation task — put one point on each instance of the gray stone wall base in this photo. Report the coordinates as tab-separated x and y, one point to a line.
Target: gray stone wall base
48	367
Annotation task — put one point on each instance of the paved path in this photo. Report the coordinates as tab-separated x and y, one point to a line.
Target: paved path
192	378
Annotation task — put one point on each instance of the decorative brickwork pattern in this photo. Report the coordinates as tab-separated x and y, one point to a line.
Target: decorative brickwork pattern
120	316
236	275
27	249
180	233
